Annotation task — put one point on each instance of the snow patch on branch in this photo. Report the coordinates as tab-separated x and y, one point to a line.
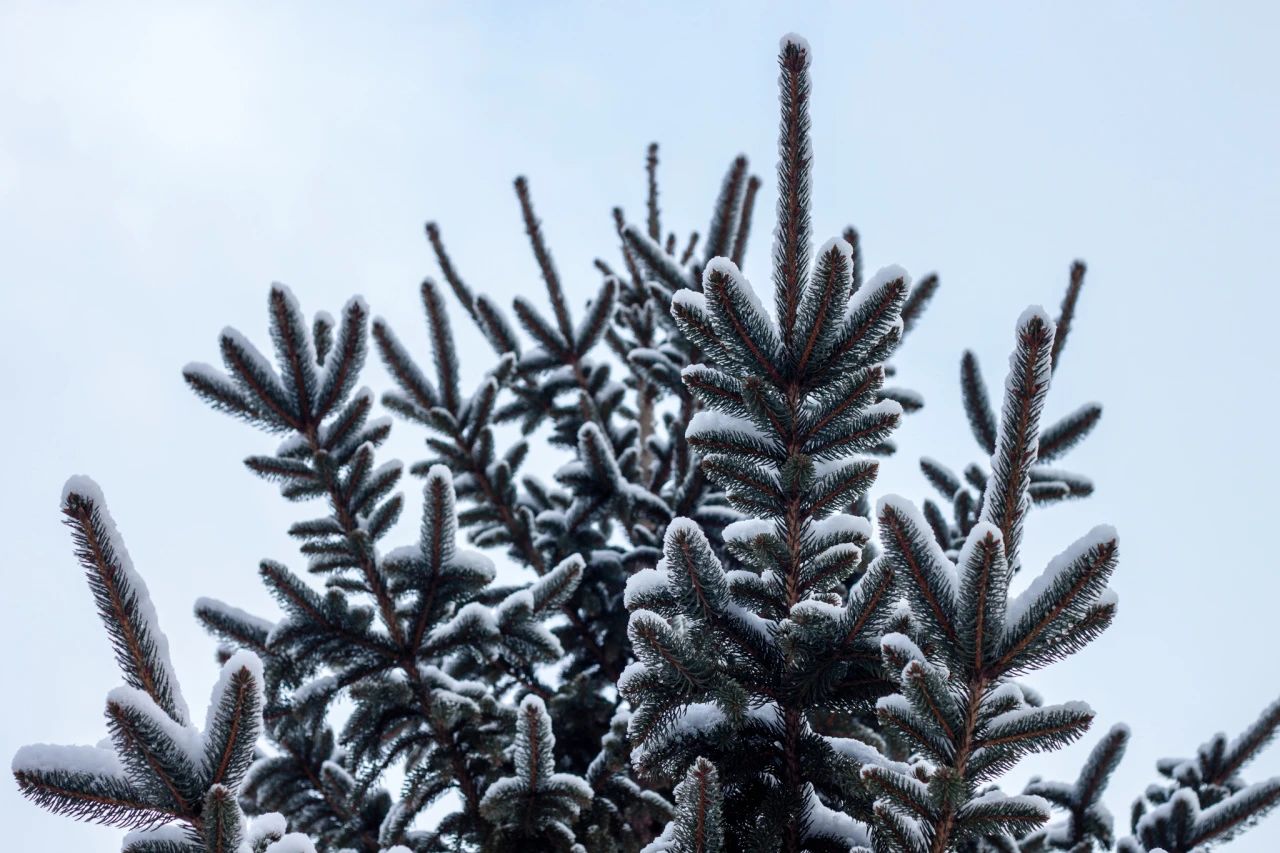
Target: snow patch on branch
645	582
55	758
1021	605
185	737
799	42
86	488
871	289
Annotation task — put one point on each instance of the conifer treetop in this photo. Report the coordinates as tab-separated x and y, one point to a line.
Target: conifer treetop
713	636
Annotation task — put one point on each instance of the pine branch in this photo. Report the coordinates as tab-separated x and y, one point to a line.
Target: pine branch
726	211
1068	311
540	252
121	596
921	295
651	170
689	248
852	237
795	157
743	233
1056	439
159	769
974	722
1005	502
628	259
981	419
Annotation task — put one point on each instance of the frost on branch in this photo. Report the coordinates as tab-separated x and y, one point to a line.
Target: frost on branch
708	634
537	806
958	707
160	773
1206	800
965	495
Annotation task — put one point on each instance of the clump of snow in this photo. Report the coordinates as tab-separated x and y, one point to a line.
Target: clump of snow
699	367
699	717
811	607
356	301
315	687
692	719
269	824
681	527
840	245
217	606
885	407
747	530
825	822
521	600
796	41
185	737
707	421
872	287
173	833
633	670
440	472
1009	717
243	659
691	300
721	266
54	758
465	687
474	563
664	842
901	646
905	508
735	280
294	842
643	583
761	627
842	551
1008	691
826	467
1020	606
980	531
1032	313
840	524
768	713
863	753
895	703
473	615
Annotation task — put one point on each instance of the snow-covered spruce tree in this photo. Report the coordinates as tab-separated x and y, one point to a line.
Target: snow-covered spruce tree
623	475
417	637
1088	825
1215	803
779	684
635	468
732	663
1049	485
958	705
1206	801
175	785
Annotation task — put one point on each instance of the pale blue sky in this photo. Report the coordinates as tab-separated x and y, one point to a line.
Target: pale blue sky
160	165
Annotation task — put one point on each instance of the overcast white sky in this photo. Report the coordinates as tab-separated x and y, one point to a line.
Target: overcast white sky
160	165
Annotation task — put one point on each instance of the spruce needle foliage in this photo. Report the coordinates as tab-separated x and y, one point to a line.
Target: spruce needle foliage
173	784
730	663
962	494
1205	800
1089	825
710	636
